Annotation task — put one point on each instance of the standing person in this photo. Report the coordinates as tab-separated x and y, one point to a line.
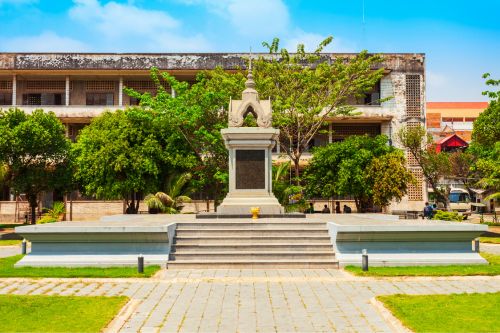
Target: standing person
326	210
337	207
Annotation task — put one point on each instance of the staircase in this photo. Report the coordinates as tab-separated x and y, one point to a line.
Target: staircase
259	244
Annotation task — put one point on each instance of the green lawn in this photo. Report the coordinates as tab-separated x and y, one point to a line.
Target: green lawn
492	269
493	240
10	242
7	269
57	313
446	313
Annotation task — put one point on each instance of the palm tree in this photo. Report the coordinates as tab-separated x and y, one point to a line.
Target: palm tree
172	200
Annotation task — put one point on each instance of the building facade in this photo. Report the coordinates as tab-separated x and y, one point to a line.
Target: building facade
78	87
447	118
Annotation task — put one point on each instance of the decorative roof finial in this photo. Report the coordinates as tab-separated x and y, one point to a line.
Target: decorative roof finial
250	83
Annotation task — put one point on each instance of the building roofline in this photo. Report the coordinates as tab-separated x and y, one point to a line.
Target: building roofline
195	53
457	105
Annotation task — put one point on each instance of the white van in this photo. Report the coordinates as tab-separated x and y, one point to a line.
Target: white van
460	202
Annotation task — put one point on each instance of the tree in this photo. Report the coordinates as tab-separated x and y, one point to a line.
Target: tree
388	177
344	168
462	168
123	154
308	88
35	152
435	166
486	142
198	112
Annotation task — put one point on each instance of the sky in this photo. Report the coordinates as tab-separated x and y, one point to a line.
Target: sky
461	38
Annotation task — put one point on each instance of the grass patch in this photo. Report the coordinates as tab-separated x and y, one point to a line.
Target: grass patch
41	313
7	269
451	270
10	225
10	242
492	240
446	313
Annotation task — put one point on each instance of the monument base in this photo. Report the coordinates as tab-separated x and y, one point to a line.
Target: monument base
241	203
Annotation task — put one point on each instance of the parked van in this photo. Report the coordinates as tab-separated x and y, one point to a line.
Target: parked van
460	202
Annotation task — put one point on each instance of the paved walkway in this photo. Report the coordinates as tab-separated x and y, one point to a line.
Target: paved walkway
316	300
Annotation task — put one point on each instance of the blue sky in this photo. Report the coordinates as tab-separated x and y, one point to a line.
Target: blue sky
461	38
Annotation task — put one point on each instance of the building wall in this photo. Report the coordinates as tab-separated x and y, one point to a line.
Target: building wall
391	115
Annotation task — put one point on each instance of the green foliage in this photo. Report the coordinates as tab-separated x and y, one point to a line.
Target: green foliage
198	113
388	177
7	269
435	166
178	188
364	167
43	313
53	214
307	88
35	151
447	216
470	312
124	153
450	270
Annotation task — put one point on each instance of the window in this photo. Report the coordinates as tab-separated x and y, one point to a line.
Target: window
470	119
43	99
413	101
452	119
100	85
372	97
5	98
459	197
100	99
134	101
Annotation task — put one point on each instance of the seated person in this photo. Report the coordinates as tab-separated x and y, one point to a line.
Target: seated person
347	209
326	210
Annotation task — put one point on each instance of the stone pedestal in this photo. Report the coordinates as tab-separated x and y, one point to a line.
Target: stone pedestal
250	171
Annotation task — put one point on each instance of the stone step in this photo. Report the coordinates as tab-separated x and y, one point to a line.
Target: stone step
253	264
249	255
252	226
249	239
251	232
250	247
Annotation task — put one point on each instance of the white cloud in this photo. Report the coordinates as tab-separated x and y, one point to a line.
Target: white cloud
312	40
258	18
47	41
113	19
128	28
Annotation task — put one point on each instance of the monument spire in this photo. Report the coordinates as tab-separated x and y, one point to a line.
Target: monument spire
250	83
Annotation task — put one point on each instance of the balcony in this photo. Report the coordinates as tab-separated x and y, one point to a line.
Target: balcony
83	112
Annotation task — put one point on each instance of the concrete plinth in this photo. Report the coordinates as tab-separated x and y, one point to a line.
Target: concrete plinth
98	244
250	171
408	243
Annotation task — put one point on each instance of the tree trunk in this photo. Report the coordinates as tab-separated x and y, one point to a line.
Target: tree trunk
296	167
32	203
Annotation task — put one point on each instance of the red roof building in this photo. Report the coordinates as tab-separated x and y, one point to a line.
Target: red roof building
451	143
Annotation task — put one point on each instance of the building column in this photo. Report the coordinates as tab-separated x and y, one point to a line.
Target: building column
172	92
67	91
330	133
120	92
14	90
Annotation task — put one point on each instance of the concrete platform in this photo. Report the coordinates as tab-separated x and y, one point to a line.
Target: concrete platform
99	244
404	242
119	239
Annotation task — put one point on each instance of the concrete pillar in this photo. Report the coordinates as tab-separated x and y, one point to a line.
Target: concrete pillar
172	92
14	90
120	92
330	133
67	91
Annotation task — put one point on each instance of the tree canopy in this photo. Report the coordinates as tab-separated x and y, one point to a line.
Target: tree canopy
124	154
198	112
308	88
366	168
35	153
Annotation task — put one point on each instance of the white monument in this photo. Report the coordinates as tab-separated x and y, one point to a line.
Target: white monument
250	157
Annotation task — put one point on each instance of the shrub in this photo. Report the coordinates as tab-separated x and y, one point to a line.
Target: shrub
447	216
54	214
